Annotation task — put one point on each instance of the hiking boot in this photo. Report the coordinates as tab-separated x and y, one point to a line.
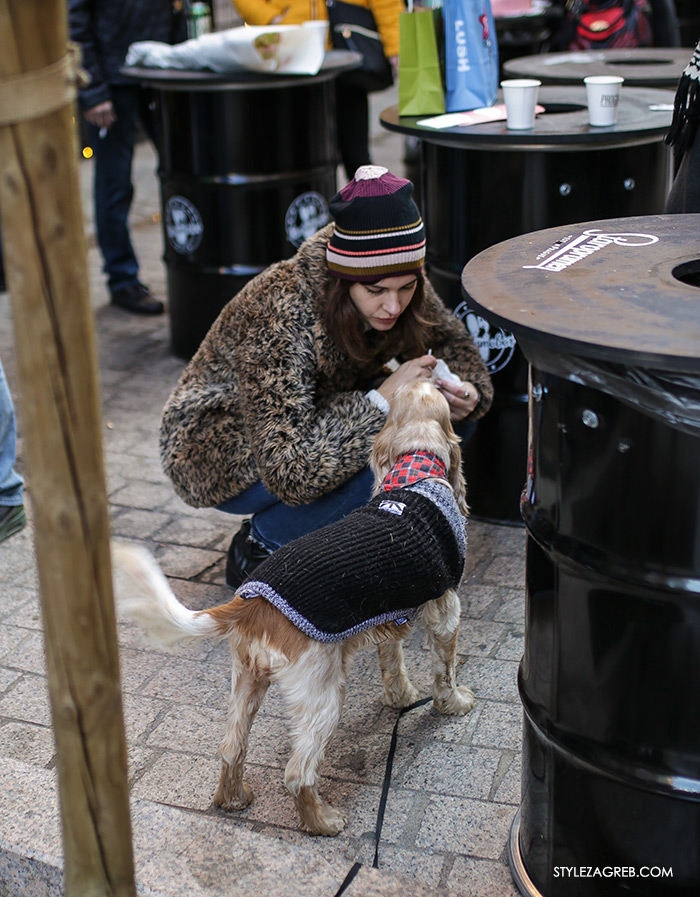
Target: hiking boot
138	299
12	520
244	555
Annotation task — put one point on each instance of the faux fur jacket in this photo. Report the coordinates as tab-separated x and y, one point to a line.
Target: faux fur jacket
268	396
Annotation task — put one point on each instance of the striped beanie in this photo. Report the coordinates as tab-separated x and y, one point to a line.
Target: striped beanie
378	228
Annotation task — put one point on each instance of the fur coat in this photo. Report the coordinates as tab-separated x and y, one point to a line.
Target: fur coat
268	396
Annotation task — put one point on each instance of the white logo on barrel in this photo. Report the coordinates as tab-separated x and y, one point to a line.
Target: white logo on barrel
588	243
183	225
307	214
495	344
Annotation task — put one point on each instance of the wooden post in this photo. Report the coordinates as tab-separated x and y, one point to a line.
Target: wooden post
46	265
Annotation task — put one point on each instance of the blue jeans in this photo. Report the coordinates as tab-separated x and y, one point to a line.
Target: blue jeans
113	188
275	523
10	481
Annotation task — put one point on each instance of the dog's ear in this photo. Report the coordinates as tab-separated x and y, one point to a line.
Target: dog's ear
380	459
456	476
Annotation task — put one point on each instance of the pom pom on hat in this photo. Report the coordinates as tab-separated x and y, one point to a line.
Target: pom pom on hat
378	229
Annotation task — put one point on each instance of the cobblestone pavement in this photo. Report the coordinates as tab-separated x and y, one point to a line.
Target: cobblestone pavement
456	781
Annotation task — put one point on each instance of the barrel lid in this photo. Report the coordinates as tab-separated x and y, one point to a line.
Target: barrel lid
643	116
639	66
621	289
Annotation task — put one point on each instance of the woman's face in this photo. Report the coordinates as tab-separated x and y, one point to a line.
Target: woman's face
381	304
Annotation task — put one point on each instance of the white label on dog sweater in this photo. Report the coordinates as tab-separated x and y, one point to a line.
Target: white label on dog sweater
393	507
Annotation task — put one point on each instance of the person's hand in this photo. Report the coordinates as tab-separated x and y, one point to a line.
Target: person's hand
461	397
102	115
394	63
278	19
416	369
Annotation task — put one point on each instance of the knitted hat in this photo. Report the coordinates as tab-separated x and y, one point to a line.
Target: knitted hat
378	228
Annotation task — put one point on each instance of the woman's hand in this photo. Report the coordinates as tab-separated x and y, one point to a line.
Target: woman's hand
416	369
461	397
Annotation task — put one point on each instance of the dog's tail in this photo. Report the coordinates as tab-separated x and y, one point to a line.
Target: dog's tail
143	595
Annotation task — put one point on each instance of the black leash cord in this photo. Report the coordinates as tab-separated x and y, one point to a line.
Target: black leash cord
383	799
348	878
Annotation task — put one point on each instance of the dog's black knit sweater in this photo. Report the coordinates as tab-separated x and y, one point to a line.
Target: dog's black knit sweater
378	564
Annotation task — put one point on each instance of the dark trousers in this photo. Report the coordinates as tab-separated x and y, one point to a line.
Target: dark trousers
352	114
113	188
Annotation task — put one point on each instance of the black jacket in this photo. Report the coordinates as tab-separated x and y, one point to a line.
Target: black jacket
105	29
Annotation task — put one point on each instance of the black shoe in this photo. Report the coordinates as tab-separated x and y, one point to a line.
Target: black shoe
244	555
138	299
12	520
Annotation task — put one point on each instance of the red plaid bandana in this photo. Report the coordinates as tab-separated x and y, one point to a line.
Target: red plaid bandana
411	467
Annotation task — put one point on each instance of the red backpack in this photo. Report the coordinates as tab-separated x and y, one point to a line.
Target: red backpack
604	25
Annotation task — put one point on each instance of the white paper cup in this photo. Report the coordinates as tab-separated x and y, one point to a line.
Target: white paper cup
603	93
520	97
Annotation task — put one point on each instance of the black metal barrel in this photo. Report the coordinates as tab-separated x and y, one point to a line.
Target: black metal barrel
608	315
483	184
248	163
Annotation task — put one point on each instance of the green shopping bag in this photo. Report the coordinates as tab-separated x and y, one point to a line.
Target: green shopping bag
420	83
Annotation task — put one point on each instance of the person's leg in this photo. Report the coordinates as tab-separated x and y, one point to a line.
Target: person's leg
251	501
12	516
113	189
352	115
114	192
3	285
275	524
10	481
246	551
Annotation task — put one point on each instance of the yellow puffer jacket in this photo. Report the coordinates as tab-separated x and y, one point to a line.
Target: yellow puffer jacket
294	12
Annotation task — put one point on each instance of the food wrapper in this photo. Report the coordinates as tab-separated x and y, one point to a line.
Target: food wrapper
271	49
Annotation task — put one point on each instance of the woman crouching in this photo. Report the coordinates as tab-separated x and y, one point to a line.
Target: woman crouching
275	415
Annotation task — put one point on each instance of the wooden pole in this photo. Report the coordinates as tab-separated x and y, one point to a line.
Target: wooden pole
46	265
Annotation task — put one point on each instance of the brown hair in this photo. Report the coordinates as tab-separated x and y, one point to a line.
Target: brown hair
348	330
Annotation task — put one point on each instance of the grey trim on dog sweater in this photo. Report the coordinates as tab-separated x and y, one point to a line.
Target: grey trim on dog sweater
378	564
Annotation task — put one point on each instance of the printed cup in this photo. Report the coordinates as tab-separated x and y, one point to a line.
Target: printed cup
520	96
603	93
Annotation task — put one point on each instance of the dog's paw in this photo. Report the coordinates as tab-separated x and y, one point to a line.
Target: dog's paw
401	694
456	702
237	799
328	821
317	817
